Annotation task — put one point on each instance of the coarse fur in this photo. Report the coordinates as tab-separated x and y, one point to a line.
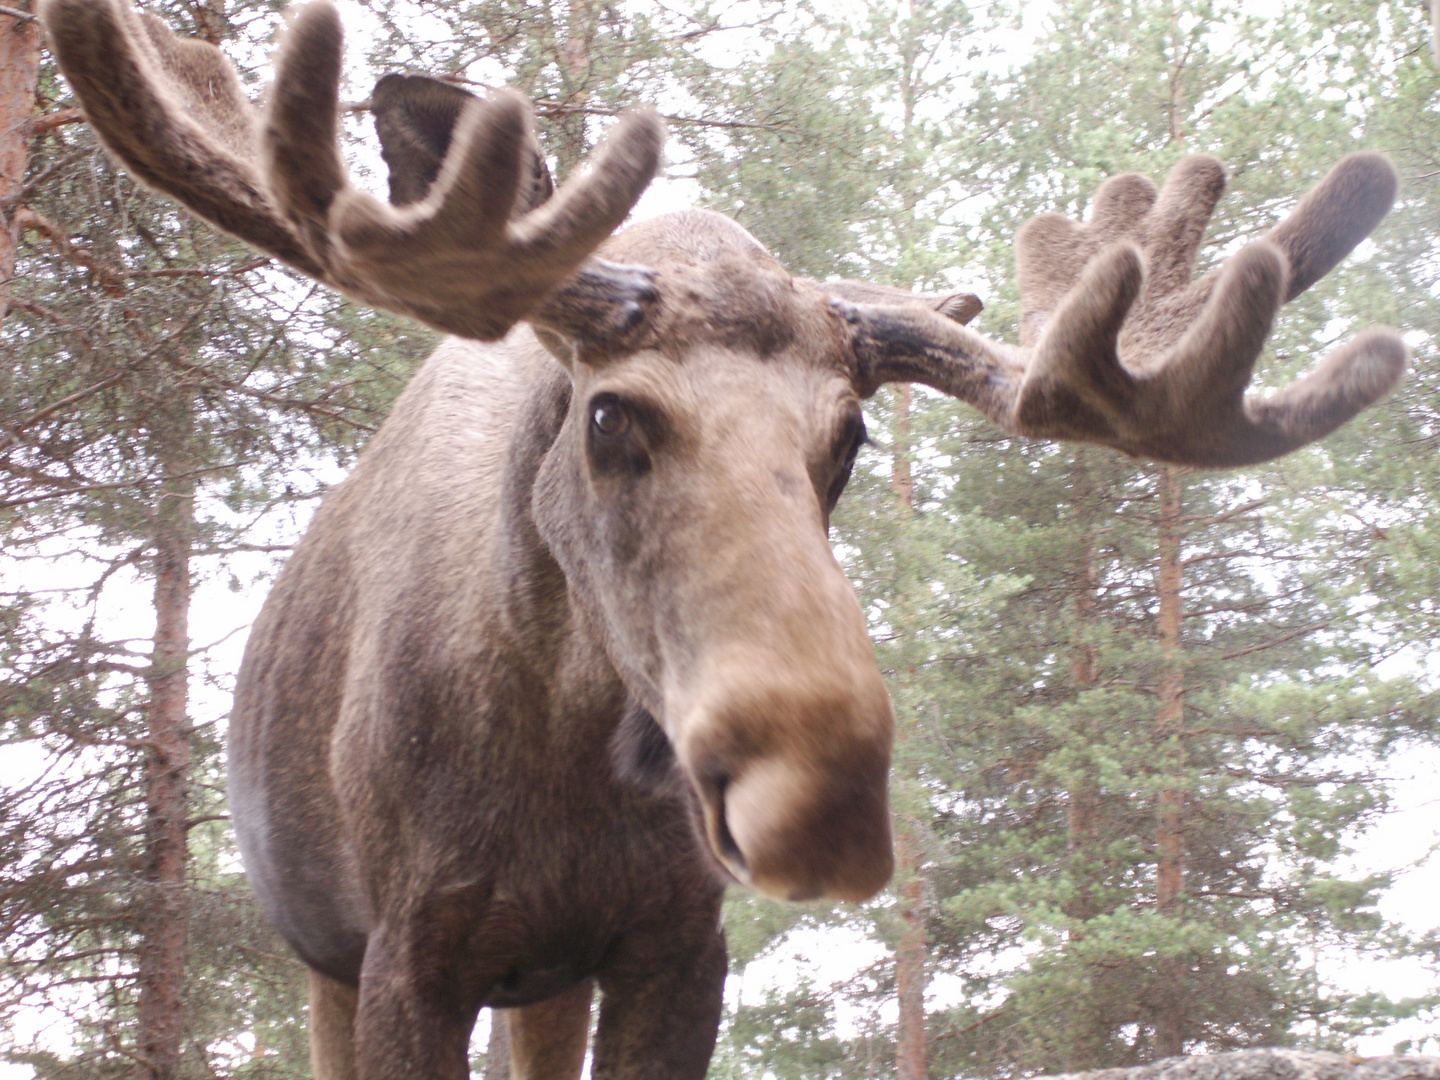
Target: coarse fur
569	646
422	749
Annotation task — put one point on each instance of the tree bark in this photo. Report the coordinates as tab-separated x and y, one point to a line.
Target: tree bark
910	957
1084	670
574	50
1170	737
19	72
911	953
1083	1041
163	918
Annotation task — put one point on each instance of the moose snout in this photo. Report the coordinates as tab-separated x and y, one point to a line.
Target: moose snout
797	811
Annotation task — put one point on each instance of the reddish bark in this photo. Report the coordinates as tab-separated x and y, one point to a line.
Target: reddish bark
910	957
162	920
1084	670
1170	733
19	72
911	952
1082	1046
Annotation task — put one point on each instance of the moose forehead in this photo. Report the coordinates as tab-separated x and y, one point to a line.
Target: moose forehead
719	288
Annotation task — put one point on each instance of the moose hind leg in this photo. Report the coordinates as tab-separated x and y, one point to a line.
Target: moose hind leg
547	1039
332	1029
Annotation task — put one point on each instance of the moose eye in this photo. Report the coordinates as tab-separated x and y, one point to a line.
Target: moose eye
609	417
621	435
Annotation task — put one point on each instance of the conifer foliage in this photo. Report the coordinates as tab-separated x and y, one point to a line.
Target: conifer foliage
1142	710
166	394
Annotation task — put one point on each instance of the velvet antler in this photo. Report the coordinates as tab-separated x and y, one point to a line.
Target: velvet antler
1118	347
460	259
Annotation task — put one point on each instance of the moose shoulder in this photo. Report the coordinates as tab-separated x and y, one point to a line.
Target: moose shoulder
569	647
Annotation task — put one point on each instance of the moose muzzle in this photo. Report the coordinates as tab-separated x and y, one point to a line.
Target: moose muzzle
791	764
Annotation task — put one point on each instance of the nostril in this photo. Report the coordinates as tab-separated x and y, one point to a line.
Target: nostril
716	783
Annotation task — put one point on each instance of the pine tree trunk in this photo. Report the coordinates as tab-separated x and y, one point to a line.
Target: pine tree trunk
1170	733
163	917
19	70
1081	1045
1084	670
911	953
570	148
910	957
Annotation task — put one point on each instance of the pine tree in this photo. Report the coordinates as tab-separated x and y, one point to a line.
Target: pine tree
157	404
1151	724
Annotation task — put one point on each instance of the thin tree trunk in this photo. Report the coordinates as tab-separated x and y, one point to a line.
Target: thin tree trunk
19	71
911	953
910	957
574	52
1081	1045
1170	735
1084	670
163	918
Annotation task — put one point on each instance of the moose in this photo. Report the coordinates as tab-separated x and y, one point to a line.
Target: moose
569	649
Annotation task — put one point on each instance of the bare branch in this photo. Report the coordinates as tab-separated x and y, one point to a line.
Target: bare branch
26	218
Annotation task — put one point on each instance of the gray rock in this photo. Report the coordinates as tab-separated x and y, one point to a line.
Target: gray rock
1272	1065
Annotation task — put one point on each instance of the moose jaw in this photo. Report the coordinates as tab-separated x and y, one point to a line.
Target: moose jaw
569	646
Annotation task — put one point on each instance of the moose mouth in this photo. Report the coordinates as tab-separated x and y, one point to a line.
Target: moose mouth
768	860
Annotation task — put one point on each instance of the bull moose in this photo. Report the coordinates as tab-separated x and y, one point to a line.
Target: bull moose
569	646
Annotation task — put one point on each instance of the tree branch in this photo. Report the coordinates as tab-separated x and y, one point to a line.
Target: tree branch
26	218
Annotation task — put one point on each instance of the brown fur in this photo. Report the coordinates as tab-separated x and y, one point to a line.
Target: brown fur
420	759
569	645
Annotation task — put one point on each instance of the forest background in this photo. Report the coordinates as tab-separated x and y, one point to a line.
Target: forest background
1151	721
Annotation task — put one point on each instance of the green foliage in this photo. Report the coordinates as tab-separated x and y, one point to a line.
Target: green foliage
1016	611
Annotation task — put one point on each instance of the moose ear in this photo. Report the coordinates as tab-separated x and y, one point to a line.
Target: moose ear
414	117
958	307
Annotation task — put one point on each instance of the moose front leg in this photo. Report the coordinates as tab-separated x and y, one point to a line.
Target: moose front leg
417	1008
661	1003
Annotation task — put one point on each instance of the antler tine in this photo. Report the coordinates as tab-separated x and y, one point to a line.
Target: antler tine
1175	225
174	113
1051	251
1117	349
301	149
454	259
584	213
1334	216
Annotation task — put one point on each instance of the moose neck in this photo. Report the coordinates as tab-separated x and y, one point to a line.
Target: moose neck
536	606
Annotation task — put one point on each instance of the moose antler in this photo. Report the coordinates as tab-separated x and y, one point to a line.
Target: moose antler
458	260
1118	347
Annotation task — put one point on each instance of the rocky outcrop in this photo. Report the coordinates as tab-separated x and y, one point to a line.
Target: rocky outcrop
1272	1065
